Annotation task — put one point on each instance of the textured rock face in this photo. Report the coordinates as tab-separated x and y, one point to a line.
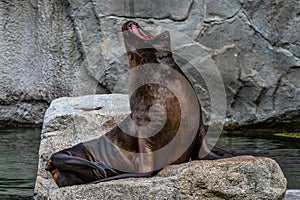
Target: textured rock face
247	178
261	71
51	49
244	177
39	56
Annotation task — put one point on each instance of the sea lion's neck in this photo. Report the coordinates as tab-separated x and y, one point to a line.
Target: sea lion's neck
163	54
166	58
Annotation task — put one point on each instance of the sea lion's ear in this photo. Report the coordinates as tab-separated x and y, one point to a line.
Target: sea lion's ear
162	41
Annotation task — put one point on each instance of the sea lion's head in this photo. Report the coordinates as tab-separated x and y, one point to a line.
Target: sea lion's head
142	47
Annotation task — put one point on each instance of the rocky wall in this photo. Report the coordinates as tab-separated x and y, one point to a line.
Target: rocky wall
51	49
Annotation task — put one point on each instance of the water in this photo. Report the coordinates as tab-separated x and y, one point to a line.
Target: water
285	151
18	162
19	157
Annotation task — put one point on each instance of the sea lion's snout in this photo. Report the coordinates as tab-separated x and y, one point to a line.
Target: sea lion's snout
128	25
133	28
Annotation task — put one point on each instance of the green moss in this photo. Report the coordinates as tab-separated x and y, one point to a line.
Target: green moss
264	129
232	127
289	135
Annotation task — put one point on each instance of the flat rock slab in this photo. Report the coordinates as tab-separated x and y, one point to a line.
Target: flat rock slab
243	177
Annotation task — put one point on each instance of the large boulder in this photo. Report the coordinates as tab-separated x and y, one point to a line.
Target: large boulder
51	49
243	177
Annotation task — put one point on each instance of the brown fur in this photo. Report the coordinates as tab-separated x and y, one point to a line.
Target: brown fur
99	160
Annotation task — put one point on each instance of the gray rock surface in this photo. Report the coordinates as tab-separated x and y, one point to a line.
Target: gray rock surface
237	178
51	49
244	177
292	195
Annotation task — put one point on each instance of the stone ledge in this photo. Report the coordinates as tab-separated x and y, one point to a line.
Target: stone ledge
244	177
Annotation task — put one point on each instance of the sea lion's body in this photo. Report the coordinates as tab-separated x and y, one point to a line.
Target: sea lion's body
165	125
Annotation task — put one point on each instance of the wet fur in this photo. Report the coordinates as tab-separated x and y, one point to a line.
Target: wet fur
87	162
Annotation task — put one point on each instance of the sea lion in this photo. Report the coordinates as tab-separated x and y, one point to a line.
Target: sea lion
165	125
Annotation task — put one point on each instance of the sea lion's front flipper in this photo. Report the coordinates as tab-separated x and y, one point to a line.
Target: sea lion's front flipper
203	150
220	152
206	154
146	159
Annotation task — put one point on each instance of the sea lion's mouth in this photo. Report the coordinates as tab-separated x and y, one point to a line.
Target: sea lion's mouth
134	28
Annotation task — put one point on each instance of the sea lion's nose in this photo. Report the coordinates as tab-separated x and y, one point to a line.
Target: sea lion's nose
131	23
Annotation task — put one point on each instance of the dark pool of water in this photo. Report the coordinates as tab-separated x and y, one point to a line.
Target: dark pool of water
285	151
18	162
19	157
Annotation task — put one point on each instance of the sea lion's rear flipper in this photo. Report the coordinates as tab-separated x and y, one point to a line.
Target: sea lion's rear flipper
76	164
104	167
73	170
